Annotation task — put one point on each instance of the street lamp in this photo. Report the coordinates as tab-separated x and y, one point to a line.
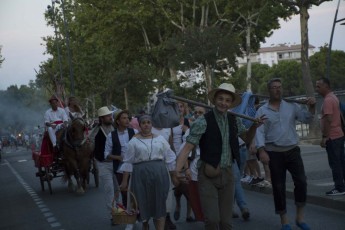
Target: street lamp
67	43
331	39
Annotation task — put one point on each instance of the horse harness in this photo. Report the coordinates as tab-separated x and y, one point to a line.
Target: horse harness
67	136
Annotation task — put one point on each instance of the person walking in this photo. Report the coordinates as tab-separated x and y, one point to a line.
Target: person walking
277	143
97	138
332	135
216	133
148	159
116	145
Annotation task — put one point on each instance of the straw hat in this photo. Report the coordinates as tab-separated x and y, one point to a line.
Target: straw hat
104	111
229	88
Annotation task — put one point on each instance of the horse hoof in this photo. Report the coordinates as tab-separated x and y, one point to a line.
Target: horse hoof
80	191
71	188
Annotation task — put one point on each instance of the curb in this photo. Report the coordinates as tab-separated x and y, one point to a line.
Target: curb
336	202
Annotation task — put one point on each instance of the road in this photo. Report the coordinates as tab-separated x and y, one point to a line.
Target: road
25	206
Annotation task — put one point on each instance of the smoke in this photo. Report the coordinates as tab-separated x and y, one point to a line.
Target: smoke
20	114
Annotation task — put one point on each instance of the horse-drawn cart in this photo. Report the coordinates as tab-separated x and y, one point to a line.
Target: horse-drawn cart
51	164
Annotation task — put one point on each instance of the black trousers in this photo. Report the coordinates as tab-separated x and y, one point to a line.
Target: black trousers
291	161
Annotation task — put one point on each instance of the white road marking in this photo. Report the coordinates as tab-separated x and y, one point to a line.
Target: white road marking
54	223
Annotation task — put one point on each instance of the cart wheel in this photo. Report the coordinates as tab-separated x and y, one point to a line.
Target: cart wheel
48	178
41	175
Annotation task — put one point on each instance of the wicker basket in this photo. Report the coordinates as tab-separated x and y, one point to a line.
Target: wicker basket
125	217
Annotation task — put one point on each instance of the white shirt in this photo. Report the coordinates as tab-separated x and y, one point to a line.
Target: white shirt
58	115
177	137
123	138
165	132
156	148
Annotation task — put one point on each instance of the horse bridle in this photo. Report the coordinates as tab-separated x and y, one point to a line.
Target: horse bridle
67	136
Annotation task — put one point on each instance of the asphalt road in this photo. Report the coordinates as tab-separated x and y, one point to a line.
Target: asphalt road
25	206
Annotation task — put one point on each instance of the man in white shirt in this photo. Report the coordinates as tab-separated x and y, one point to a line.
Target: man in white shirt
55	118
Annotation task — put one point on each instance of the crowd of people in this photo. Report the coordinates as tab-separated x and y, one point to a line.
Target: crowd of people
207	156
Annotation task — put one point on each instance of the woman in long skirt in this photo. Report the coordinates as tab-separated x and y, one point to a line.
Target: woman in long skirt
148	159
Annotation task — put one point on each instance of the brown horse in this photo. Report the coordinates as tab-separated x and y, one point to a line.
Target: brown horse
76	154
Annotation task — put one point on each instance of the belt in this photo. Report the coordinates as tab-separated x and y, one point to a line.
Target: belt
242	145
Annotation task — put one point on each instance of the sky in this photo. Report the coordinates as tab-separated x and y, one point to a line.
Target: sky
22	27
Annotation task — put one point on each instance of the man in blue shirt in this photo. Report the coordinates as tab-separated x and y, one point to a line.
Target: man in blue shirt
277	142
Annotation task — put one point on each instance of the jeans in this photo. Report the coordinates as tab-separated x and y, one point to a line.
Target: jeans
336	160
239	194
280	162
243	158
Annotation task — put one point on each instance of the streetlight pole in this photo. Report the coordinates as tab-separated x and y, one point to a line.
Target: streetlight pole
331	40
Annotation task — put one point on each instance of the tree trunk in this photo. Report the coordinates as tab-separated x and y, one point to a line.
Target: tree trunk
208	77
314	131
249	63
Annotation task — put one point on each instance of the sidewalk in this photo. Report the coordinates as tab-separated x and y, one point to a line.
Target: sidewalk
319	179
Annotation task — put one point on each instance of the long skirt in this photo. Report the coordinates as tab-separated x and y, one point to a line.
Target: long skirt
150	185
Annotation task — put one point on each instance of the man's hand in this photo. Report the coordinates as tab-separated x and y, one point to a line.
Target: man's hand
260	120
323	142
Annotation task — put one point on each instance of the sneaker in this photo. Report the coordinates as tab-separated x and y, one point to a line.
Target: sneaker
247	179
245	214
256	181
302	225
335	192
286	227
264	184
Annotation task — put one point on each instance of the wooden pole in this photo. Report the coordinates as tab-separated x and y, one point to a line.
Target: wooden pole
170	95
126	99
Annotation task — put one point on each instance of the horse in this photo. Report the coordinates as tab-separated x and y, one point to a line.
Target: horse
76	154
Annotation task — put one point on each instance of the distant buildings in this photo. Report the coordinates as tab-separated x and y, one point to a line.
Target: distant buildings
274	54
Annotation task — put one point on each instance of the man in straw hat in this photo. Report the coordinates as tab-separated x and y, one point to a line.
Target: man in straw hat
55	118
217	133
277	143
98	138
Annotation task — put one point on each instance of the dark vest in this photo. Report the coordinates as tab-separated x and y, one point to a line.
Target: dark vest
117	145
100	139
211	141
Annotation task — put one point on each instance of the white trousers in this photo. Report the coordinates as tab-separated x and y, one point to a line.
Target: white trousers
109	181
52	133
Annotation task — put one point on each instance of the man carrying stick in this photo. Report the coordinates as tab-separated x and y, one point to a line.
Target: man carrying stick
217	133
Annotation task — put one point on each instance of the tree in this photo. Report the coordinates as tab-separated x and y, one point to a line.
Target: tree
255	21
258	78
318	67
301	7
1	59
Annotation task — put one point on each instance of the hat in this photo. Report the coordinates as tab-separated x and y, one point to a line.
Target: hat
229	88
145	117
118	113
104	111
53	97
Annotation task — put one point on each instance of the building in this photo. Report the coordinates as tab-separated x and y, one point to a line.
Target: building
274	54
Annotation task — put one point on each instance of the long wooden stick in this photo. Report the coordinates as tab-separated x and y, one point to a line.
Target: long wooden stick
170	95
285	99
